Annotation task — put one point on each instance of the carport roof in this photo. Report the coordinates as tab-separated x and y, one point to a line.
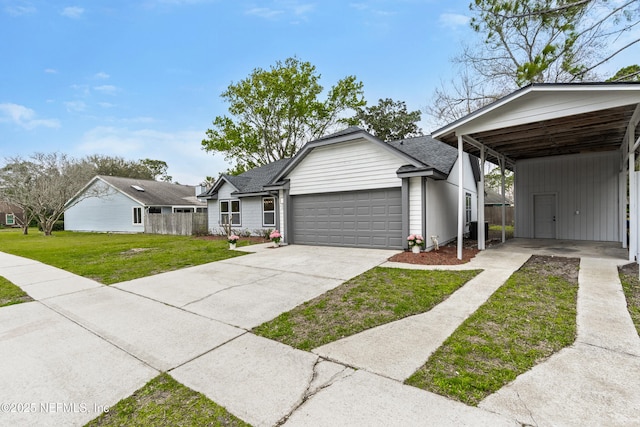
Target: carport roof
542	120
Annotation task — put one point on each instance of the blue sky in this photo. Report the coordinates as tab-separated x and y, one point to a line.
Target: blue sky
142	79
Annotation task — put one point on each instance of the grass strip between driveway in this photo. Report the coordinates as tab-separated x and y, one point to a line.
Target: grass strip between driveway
112	258
532	316
11	294
378	296
631	286
164	402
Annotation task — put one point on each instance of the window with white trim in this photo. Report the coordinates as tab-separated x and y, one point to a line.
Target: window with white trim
137	215
10	219
268	211
467	206
230	212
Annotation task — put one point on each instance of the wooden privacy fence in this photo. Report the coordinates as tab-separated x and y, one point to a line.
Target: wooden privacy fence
183	223
493	215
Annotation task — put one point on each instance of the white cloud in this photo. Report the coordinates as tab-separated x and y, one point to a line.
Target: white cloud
75	106
188	163
264	12
24	117
50	71
106	104
101	75
108	89
73	12
23	8
453	20
283	8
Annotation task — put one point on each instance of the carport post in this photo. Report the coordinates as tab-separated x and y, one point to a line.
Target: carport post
460	196
481	236
633	199
504	200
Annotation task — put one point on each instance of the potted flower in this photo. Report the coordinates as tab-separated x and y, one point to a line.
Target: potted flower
275	237
415	242
233	239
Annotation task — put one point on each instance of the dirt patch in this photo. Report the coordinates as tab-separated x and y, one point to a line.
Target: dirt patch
252	239
555	266
446	255
134	251
631	286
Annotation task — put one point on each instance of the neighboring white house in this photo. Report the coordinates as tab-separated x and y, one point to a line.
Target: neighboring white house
351	189
116	204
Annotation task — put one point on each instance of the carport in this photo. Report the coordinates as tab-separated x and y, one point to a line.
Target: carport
573	150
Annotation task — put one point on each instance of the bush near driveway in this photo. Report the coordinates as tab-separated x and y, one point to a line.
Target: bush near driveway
111	258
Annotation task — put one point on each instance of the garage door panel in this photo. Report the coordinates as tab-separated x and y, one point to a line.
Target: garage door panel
363	218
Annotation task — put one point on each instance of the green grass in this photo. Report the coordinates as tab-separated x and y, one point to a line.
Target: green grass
113	258
532	316
164	402
631	286
378	296
495	231
10	294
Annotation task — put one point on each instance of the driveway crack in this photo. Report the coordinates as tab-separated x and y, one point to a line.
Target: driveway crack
310	390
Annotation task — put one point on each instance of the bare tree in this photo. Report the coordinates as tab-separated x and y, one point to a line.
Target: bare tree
42	185
534	41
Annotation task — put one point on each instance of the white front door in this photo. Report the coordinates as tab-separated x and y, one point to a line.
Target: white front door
544	216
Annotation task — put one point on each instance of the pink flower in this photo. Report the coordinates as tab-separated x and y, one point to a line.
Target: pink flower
411	237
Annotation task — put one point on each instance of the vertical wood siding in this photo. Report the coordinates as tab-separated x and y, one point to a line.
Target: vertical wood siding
586	189
359	165
415	205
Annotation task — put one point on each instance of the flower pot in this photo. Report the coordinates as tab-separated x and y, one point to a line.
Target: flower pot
232	245
415	249
276	244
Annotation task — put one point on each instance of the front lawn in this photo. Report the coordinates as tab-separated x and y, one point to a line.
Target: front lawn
532	316
378	296
631	287
164	402
10	294
112	258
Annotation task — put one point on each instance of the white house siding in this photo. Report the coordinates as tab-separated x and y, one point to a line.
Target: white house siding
442	204
213	208
586	191
250	212
358	165
415	205
112	212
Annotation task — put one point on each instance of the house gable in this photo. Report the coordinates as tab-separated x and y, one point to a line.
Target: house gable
346	166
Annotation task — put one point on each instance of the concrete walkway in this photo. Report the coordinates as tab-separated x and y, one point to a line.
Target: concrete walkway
397	349
596	381
89	345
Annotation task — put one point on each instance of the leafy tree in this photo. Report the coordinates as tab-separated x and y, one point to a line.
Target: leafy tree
42	185
276	111
532	41
118	166
390	120
493	180
630	73
158	169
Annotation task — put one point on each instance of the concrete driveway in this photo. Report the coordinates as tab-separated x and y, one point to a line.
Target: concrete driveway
247	291
82	347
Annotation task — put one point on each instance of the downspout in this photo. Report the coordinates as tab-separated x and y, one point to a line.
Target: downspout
460	197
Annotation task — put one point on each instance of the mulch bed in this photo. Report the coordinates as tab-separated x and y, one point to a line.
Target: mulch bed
446	255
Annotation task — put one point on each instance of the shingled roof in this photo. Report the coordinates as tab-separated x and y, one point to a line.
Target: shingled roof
251	181
154	193
428	151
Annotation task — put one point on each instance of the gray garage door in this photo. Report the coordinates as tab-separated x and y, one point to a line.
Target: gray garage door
371	219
